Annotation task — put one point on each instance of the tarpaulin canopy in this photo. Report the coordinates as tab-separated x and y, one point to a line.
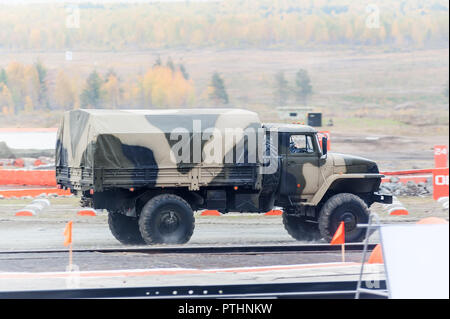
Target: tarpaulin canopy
93	138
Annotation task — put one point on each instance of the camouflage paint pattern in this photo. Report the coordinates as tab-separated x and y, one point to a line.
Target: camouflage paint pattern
145	139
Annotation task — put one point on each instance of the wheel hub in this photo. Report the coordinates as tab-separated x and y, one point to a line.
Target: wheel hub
169	222
349	221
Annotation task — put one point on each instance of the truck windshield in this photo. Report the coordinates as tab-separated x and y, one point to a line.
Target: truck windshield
301	144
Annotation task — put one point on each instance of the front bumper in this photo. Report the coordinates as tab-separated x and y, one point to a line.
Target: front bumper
385	199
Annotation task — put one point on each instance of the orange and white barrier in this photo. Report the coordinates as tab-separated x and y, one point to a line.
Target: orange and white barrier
34	192
432	221
396	208
27	177
440	156
440	183
209	212
87	212
274	212
33	209
415	175
444	202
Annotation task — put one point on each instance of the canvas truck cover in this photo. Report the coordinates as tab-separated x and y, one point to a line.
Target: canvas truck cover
131	139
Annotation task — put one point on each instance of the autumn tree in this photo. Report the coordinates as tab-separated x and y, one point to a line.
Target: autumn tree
162	86
6	101
28	107
64	93
217	90
112	91
23	81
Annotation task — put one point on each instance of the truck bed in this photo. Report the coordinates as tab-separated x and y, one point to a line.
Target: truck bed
82	179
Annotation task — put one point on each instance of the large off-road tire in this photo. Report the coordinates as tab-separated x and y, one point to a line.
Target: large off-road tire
301	229
348	208
125	229
166	219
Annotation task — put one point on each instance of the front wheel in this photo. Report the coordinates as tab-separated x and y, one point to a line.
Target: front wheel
347	208
166	219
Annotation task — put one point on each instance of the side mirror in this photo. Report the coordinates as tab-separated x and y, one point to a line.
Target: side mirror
324	146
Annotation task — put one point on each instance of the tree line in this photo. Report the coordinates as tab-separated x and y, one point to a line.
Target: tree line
34	87
26	88
224	24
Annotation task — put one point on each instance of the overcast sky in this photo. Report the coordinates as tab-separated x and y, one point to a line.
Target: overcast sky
12	2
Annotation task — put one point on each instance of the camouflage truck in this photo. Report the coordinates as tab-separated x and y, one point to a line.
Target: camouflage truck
151	169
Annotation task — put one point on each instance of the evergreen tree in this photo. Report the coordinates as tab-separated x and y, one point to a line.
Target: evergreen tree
170	64
42	76
92	94
281	89
303	86
184	72
217	89
158	62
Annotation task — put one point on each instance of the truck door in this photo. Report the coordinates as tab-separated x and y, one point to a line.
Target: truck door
300	165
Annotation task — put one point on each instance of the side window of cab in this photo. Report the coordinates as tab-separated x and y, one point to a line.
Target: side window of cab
301	144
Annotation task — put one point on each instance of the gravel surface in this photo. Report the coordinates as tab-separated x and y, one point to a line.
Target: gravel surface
44	231
88	261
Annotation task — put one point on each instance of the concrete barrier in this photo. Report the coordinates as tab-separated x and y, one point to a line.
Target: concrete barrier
36	207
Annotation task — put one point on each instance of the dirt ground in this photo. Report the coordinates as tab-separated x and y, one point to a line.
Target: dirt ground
45	230
390	152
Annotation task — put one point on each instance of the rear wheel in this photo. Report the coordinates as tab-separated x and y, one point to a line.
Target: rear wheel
301	229
125	229
348	208
166	219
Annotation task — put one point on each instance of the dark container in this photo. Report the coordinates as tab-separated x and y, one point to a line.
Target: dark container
315	119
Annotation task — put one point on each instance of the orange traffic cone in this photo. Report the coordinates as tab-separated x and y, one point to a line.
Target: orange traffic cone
210	213
339	235
274	212
376	257
339	238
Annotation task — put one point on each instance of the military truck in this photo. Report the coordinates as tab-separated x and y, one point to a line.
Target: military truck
151	169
